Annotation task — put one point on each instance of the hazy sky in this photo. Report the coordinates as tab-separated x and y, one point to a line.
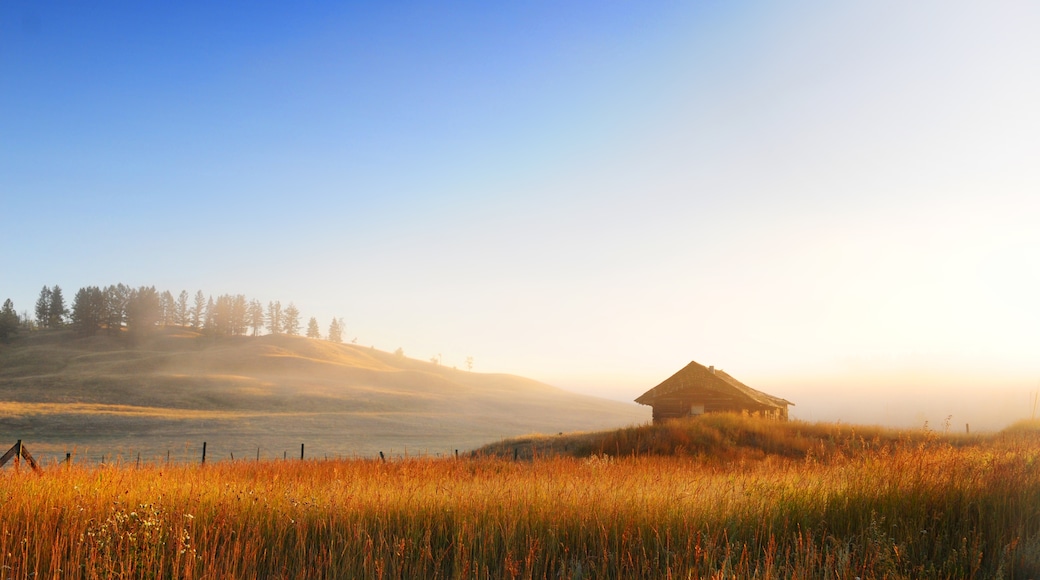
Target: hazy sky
826	199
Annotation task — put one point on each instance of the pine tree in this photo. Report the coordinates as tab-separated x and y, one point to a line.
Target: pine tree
256	317
210	317
117	298
335	331
181	317
291	320
57	312
142	311
198	311
274	317
43	308
219	317
239	315
312	328
167	309
8	321
88	311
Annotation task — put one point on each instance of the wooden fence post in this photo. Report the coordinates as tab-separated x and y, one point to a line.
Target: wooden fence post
301	451
19	452
204	453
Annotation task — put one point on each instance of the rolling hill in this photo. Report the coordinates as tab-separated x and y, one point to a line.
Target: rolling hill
100	397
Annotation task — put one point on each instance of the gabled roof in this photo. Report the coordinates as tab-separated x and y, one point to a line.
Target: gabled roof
697	376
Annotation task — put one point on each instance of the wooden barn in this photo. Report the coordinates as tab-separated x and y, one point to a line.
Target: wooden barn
696	390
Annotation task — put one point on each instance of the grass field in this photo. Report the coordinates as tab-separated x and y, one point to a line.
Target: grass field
102	397
784	501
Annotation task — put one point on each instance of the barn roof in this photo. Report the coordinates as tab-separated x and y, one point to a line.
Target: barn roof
697	376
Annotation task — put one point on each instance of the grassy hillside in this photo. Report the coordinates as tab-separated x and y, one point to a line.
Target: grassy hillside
169	393
726	438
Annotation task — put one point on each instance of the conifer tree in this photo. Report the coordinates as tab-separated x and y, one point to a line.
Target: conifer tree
43	308
181	316
291	320
8	321
57	311
256	317
274	317
198	311
210	317
239	315
312	328
335	331
167	309
218	319
142	311
117	298
88	311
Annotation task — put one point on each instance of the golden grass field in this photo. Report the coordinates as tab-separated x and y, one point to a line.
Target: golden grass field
714	497
102	398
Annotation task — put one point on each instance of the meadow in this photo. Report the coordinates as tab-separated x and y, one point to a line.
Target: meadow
103	397
792	501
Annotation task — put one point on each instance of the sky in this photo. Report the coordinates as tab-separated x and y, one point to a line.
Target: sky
837	203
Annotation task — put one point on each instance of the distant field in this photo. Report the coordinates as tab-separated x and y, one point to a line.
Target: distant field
782	501
104	399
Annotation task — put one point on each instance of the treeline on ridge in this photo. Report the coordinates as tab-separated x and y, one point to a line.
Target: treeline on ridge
120	308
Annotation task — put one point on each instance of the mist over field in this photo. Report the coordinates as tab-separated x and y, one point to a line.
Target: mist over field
161	398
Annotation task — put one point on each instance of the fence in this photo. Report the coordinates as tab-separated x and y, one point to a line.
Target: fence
18	451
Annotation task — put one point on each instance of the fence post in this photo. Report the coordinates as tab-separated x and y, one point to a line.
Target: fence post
204	453
301	451
18	452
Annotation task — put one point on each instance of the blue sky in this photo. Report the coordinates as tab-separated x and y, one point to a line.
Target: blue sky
826	200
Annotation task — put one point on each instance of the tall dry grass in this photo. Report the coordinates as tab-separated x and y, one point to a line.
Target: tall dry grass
916	508
726	438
